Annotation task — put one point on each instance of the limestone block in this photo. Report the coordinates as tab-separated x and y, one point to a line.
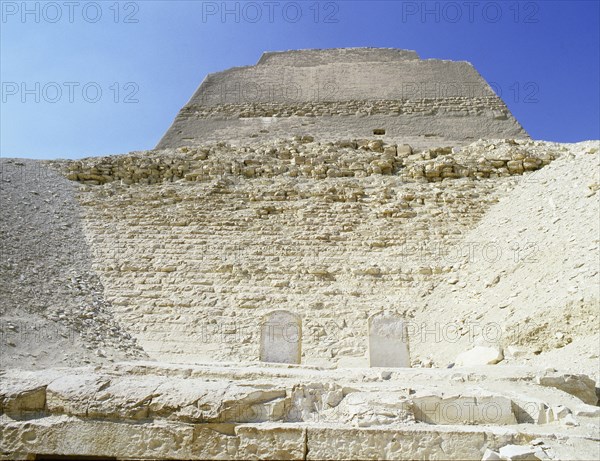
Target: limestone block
24	394
365	409
477	409
490	455
532	410
271	442
22	400
518	453
580	386
515	166
67	436
402	443
127	397
315	402
479	355
71	394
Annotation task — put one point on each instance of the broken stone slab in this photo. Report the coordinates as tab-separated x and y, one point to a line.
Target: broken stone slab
317	402
126	397
71	394
19	400
201	401
581	386
25	392
569	420
590	411
516	352
388	341
479	355
366	409
532	411
518	453
464	409
281	338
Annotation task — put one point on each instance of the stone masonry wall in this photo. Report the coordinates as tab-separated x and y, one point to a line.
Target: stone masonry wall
462	105
195	246
344	92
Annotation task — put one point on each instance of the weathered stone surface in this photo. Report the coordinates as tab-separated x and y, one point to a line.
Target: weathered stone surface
335	207
281	338
148	410
366	409
476	409
388	341
355	90
231	249
479	355
71	394
517	452
402	443
582	387
25	393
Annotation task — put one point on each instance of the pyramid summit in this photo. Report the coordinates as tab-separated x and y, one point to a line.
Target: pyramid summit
332	93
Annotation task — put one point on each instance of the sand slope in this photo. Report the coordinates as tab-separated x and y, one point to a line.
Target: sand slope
529	276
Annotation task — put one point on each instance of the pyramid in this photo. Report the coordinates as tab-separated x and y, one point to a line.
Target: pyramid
335	93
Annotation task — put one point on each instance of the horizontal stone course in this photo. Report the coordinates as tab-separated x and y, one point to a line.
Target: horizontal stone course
303	158
462	106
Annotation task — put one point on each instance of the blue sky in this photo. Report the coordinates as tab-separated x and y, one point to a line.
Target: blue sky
106	77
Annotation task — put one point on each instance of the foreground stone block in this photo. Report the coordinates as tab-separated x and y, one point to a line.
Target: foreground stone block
388	341
479	355
486	410
518	452
66	436
149	410
281	336
580	386
403	443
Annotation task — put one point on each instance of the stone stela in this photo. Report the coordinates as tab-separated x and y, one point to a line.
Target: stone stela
388	341
281	338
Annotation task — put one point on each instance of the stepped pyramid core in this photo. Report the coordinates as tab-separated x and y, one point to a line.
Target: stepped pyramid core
340	93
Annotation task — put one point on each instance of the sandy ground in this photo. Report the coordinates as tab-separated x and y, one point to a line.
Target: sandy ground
531	279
